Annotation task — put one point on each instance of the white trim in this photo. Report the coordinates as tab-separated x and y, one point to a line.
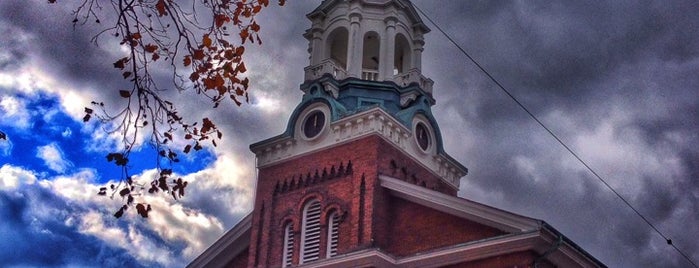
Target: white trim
332	235
288	246
431	141
374	121
507	244
303	116
459	207
227	247
313	229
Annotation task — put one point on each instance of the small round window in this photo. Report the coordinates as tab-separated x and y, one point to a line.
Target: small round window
314	123
422	136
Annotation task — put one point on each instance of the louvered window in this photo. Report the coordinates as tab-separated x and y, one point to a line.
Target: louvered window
333	228
288	245
310	232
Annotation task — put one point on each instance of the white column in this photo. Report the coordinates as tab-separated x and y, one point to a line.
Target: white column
389	47
418	44
317	45
354	46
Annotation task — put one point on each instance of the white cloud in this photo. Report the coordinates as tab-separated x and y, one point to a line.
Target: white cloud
6	147
14	112
175	222
53	157
141	247
67	133
11	177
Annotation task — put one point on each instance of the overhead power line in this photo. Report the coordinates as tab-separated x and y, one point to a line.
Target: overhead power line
507	92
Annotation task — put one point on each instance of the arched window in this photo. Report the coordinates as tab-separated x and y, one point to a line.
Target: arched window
337	47
370	59
310	232
333	233
401	60
288	250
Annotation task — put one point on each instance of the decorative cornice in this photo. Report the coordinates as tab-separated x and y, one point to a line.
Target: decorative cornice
374	121
312	178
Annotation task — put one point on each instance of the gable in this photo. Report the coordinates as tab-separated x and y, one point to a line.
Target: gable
413	228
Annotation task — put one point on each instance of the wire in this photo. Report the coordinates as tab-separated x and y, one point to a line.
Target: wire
668	240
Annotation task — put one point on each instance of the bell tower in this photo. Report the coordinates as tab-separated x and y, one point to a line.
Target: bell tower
365	112
370	40
360	178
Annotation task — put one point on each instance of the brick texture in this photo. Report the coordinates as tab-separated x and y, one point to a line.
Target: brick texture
344	178
413	228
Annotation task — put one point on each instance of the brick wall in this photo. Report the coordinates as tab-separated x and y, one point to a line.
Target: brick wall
352	189
239	261
413	228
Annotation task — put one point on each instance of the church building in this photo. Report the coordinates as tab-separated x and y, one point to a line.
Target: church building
360	177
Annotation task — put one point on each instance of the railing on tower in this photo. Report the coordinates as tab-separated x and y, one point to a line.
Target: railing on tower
414	76
369	74
334	68
328	66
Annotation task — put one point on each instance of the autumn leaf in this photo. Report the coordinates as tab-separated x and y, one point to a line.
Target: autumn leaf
206	41
126	74
244	35
150	48
160	6
241	67
255	27
121	63
124	93
187	61
220	19
198	54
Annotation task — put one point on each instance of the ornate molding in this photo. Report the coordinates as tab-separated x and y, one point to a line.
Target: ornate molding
374	121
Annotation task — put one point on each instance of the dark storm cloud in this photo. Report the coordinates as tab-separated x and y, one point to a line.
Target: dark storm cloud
583	68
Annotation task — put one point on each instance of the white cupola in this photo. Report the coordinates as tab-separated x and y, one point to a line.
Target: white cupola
377	40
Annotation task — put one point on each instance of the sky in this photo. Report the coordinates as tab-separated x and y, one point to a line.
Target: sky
615	80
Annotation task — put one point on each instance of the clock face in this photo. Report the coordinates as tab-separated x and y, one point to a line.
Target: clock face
422	136
314	123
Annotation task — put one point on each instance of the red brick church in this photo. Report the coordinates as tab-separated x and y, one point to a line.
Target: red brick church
360	177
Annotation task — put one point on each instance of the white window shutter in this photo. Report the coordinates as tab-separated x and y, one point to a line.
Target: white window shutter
333	234
310	232
288	245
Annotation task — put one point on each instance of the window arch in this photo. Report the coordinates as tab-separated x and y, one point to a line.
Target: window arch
401	60
288	250
371	55
333	233
337	46
310	232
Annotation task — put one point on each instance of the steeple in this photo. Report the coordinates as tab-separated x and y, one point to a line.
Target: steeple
376	40
360	178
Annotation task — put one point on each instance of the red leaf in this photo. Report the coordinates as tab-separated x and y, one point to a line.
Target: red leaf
124	93
126	74
160	6
198	54
206	41
150	48
187	61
